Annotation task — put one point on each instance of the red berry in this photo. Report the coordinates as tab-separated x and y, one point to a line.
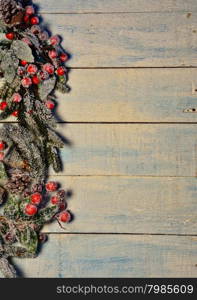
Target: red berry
32	69
26	82
16	98
55	40
35	80
61	71
10	35
15	113
53	54
50	104
3	105
26	18
30	210
34	20
29	10
49	68
23	62
51	186
64	57
1	155
55	200
2	145
65	216
36	198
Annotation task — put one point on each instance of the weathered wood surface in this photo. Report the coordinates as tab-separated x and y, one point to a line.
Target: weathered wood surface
128	181
103	6
130	95
128	40
114	256
130	149
130	205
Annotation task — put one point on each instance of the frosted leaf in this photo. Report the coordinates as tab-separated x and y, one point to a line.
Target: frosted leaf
28	238
9	66
22	51
47	87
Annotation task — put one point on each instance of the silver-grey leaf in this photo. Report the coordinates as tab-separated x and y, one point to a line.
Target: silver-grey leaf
22	51
9	65
46	87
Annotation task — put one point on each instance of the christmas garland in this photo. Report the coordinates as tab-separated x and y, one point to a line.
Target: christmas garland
31	69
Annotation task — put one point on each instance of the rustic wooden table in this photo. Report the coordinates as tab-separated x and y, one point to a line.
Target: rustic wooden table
131	163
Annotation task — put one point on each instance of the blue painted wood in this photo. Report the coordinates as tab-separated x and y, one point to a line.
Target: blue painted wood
128	33
135	95
114	256
130	149
103	6
123	204
128	40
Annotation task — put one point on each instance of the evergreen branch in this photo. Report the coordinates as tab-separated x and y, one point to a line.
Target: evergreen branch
31	70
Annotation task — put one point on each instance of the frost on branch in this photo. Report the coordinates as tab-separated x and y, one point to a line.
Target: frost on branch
32	68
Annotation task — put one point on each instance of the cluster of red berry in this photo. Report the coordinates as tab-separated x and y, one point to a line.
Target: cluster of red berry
34	74
15	98
35	200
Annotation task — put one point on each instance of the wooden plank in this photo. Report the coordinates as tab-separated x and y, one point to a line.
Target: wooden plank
103	6
130	149
128	40
135	95
114	256
130	205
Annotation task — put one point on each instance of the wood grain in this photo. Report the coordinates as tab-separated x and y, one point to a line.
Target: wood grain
103	6
114	256
128	40
130	95
130	205
130	149
135	95
132	186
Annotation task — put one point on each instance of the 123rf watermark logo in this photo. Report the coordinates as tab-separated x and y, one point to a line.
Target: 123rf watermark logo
146	289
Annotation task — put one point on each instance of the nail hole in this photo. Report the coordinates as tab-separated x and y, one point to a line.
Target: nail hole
189	110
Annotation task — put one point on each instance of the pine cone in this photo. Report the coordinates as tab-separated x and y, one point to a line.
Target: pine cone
19	182
11	11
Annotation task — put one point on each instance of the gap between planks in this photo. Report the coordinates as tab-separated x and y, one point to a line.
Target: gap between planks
120	233
123	176
115	123
114	12
117	68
